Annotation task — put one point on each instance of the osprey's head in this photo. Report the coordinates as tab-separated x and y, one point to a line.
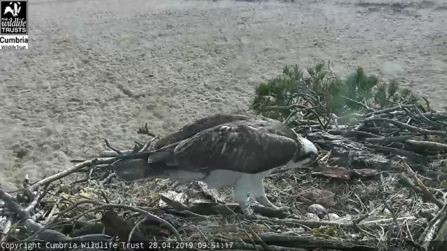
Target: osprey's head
306	153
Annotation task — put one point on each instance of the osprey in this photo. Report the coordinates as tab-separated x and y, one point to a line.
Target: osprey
223	150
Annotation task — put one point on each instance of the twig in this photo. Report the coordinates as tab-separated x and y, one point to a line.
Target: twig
358	103
113	149
135	209
107	179
14	206
134	228
356	222
427	236
30	224
387	110
310	242
110	153
369	224
288	107
148	144
387	206
104	196
427	144
427	194
388	140
69	171
427	103
415	157
37	200
405	181
406	126
255	235
145	130
424	118
6	228
354	133
53	209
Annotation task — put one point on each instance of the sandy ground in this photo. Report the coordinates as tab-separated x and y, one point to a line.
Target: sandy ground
100	69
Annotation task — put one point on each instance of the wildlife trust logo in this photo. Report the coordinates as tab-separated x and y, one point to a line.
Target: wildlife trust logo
13	24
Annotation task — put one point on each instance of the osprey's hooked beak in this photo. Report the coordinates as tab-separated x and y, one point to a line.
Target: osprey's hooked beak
308	154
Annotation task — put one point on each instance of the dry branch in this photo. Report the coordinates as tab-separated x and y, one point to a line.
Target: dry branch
70	171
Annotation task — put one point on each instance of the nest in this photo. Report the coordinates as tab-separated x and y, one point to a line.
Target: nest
379	183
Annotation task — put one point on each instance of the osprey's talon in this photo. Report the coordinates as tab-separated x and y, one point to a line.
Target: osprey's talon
248	210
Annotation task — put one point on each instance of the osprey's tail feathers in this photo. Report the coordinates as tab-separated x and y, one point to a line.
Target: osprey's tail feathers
160	164
139	169
166	157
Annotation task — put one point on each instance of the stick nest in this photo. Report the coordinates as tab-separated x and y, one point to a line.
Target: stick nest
379	183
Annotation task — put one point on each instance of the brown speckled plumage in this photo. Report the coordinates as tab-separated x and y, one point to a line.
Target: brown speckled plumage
248	144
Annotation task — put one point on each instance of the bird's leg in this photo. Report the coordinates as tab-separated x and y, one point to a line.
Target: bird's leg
240	195
257	192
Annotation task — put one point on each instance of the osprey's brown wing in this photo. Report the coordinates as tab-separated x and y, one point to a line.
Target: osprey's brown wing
197	126
245	144
240	147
